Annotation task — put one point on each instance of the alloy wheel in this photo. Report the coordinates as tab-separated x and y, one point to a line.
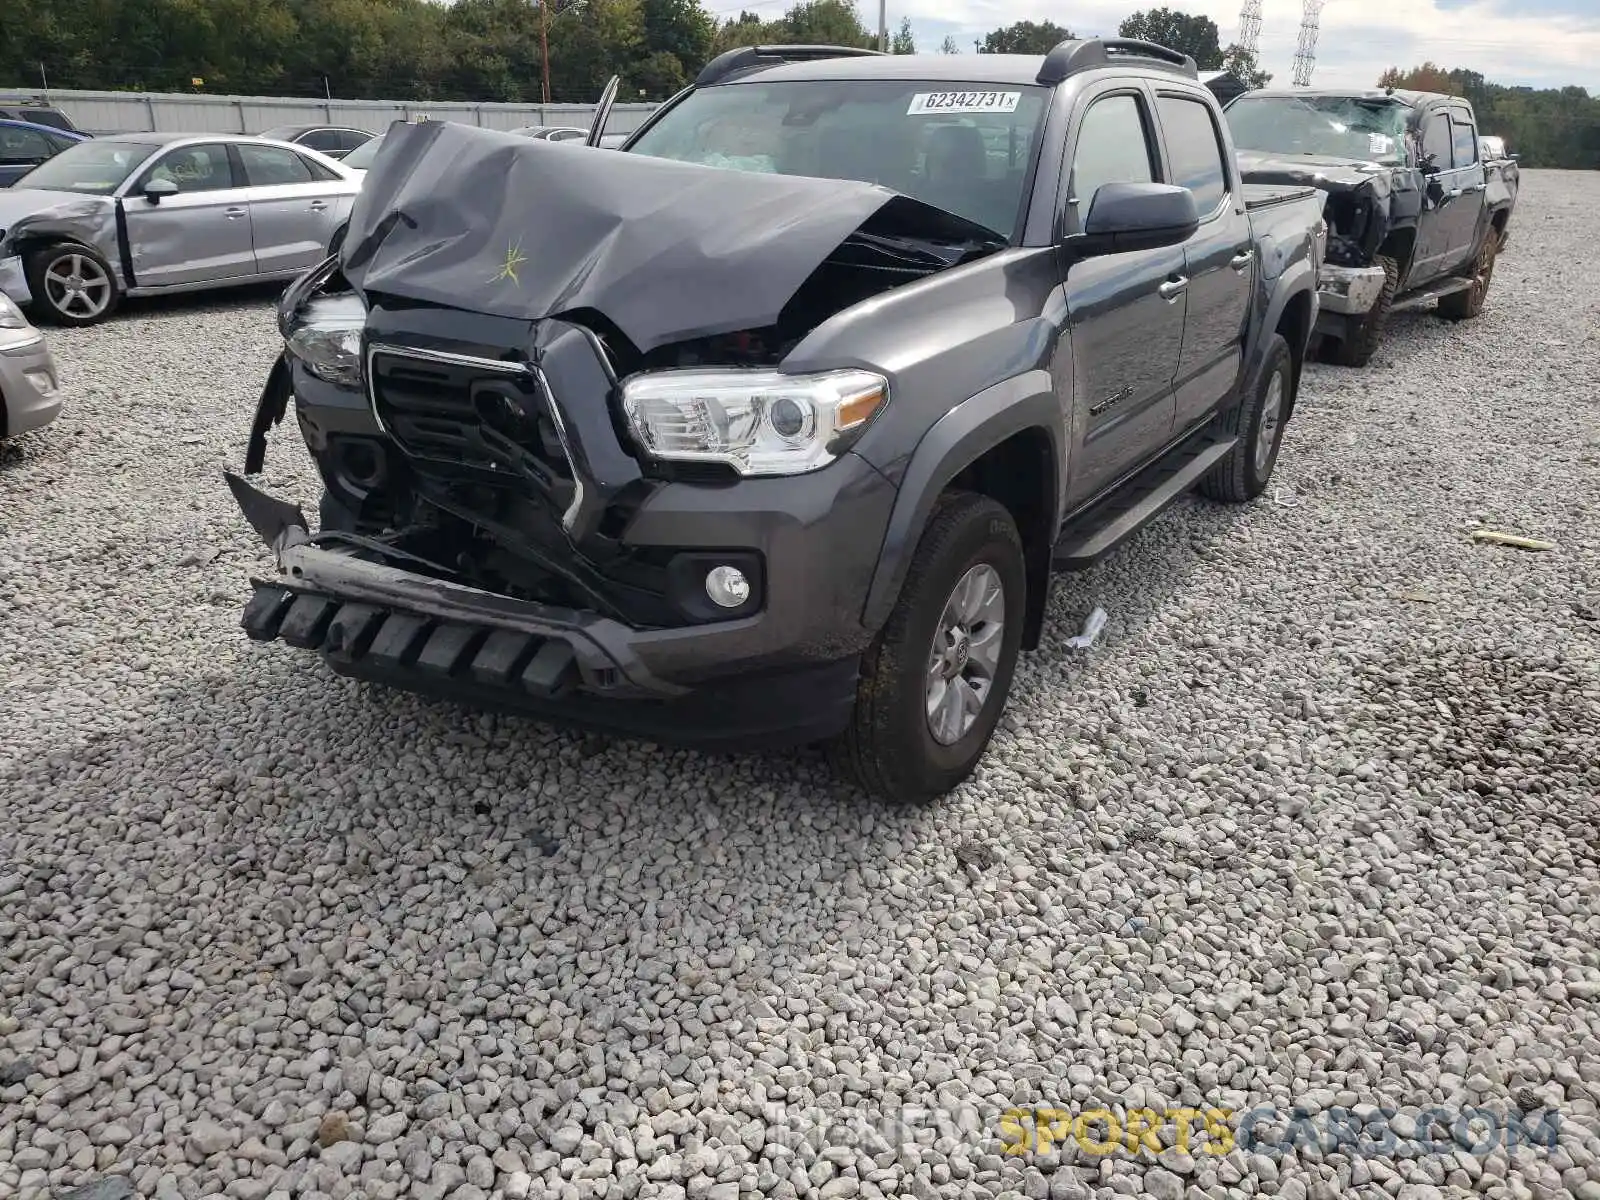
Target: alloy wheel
965	655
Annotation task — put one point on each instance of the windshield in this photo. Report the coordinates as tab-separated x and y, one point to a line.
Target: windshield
965	148
1336	126
97	166
361	157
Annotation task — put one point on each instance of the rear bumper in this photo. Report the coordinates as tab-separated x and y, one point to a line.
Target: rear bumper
30	389
1349	291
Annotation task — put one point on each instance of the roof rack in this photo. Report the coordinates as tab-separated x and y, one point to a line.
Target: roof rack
726	63
1070	57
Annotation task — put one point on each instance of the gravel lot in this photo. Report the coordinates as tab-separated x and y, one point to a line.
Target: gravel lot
1315	822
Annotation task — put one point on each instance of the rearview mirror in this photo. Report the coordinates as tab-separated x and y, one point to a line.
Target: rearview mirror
157	188
1138	216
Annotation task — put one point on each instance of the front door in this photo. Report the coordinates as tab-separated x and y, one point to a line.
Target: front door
1218	259
293	211
199	235
1452	198
1124	311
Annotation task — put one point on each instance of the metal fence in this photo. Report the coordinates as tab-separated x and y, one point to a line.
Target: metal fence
175	112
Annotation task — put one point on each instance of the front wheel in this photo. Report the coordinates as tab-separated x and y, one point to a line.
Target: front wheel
71	285
1258	424
1362	334
935	680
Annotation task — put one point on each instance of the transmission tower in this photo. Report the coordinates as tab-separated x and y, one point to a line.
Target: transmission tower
1250	26
1305	52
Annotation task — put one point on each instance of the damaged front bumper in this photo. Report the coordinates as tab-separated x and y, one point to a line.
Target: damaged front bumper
444	639
1349	291
14	280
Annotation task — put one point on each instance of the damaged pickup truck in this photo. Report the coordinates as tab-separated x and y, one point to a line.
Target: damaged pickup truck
770	426
1415	212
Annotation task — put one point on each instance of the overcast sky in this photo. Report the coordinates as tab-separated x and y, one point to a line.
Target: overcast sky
1551	43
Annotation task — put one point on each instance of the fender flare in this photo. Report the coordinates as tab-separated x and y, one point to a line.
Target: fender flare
1296	278
958	439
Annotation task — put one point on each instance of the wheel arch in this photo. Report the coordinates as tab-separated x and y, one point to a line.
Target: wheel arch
1007	443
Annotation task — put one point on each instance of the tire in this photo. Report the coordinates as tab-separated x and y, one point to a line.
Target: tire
1464	305
890	749
1258	423
1361	337
71	285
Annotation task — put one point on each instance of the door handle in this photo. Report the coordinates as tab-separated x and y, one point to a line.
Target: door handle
1476	187
233	214
1173	288
1241	260
319	206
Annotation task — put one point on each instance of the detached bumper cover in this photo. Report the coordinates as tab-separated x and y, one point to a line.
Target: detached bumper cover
435	637
1349	290
14	281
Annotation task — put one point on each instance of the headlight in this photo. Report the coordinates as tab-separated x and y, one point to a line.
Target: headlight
326	337
10	315
758	422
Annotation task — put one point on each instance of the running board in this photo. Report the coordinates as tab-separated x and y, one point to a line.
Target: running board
1434	291
1095	533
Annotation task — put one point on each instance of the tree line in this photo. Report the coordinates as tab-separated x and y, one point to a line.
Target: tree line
490	50
1544	127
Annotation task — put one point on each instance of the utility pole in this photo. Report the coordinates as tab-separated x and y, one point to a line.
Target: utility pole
883	25
544	53
1305	54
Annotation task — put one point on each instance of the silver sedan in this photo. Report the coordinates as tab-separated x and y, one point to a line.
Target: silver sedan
147	213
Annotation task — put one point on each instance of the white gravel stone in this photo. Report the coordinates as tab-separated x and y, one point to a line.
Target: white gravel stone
1283	835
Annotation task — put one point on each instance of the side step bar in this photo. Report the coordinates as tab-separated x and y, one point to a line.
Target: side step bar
1095	533
1434	291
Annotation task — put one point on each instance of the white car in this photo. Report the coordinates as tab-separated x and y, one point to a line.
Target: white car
30	389
147	213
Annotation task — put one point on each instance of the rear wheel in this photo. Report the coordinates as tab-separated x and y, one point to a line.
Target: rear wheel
936	679
1258	424
1362	335
1464	305
71	285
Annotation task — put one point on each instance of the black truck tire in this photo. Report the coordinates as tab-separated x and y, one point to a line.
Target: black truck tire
890	749
1257	421
71	284
1361	337
1464	305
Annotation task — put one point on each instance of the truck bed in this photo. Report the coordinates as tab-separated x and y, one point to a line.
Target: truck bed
1265	195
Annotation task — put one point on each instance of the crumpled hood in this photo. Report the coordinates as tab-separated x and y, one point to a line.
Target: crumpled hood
666	251
1320	171
33	206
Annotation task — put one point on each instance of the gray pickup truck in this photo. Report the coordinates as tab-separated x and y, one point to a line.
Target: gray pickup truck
771	425
1417	210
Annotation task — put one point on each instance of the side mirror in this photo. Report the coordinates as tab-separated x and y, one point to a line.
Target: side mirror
157	188
1137	216
1428	164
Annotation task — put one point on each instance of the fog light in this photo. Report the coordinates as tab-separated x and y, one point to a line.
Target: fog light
727	586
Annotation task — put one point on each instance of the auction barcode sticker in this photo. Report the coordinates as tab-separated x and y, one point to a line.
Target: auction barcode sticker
963	102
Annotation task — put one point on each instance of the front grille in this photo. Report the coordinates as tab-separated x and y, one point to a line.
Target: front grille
461	418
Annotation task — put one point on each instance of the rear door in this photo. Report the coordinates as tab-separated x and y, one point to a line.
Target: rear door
1124	311
200	235
1217	260
293	209
21	150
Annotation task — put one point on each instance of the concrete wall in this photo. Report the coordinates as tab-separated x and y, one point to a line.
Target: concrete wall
129	112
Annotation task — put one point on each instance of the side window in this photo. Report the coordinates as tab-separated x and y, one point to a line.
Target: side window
324	141
203	168
1113	147
1465	139
267	166
1195	150
23	146
352	138
1436	140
